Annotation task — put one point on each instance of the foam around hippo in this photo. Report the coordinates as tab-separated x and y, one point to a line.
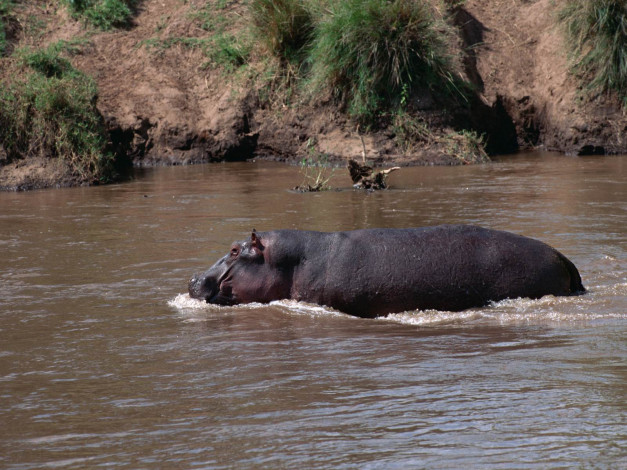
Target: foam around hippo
374	272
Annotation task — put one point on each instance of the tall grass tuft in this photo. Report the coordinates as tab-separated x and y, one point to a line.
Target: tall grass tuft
283	26
48	110
598	33
103	14
370	52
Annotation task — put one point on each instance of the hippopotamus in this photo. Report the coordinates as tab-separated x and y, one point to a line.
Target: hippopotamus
375	272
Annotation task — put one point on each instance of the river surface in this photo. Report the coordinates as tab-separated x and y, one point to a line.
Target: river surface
106	362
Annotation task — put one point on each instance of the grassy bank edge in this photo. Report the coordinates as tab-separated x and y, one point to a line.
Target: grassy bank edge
48	110
597	36
48	107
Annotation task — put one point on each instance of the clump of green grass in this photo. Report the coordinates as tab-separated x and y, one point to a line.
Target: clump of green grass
228	51
50	61
597	30
211	16
48	109
103	14
367	51
371	57
285	27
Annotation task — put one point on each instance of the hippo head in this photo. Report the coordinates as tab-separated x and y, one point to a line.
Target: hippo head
244	275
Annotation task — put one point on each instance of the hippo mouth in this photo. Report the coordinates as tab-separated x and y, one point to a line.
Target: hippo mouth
223	296
212	292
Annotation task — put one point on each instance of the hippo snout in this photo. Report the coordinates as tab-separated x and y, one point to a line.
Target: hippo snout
202	287
194	286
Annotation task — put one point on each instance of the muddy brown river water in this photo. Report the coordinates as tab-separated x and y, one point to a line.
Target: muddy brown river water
106	362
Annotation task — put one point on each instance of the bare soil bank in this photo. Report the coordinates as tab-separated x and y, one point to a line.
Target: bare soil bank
161	106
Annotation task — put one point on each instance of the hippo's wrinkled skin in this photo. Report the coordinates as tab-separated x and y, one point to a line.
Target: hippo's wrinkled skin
370	273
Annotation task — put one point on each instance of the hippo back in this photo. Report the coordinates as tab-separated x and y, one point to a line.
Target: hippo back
374	272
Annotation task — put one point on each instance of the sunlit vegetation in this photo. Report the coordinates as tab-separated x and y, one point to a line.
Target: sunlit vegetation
597	32
103	14
48	110
284	27
368	56
366	52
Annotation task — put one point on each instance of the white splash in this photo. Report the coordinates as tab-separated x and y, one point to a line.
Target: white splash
294	307
185	302
547	310
433	317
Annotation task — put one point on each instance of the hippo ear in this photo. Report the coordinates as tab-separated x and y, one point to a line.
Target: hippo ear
255	240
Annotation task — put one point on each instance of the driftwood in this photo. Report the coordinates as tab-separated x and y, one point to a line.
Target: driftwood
363	178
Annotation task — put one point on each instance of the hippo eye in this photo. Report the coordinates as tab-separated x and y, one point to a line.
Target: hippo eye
234	251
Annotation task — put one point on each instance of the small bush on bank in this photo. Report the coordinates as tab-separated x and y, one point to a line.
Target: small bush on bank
103	14
48	109
597	30
368	52
372	56
285	27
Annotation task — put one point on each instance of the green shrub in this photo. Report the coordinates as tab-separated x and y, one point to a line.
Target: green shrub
367	51
597	31
285	27
49	110
49	61
103	14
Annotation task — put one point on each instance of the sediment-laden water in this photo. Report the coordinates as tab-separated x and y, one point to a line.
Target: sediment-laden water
106	361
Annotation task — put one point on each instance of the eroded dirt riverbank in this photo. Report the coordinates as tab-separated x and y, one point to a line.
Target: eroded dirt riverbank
162	105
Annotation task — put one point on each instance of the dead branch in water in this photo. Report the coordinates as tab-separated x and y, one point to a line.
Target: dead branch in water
363	178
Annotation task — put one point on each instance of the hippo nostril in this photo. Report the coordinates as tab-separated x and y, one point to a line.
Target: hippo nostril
202	287
195	287
206	285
